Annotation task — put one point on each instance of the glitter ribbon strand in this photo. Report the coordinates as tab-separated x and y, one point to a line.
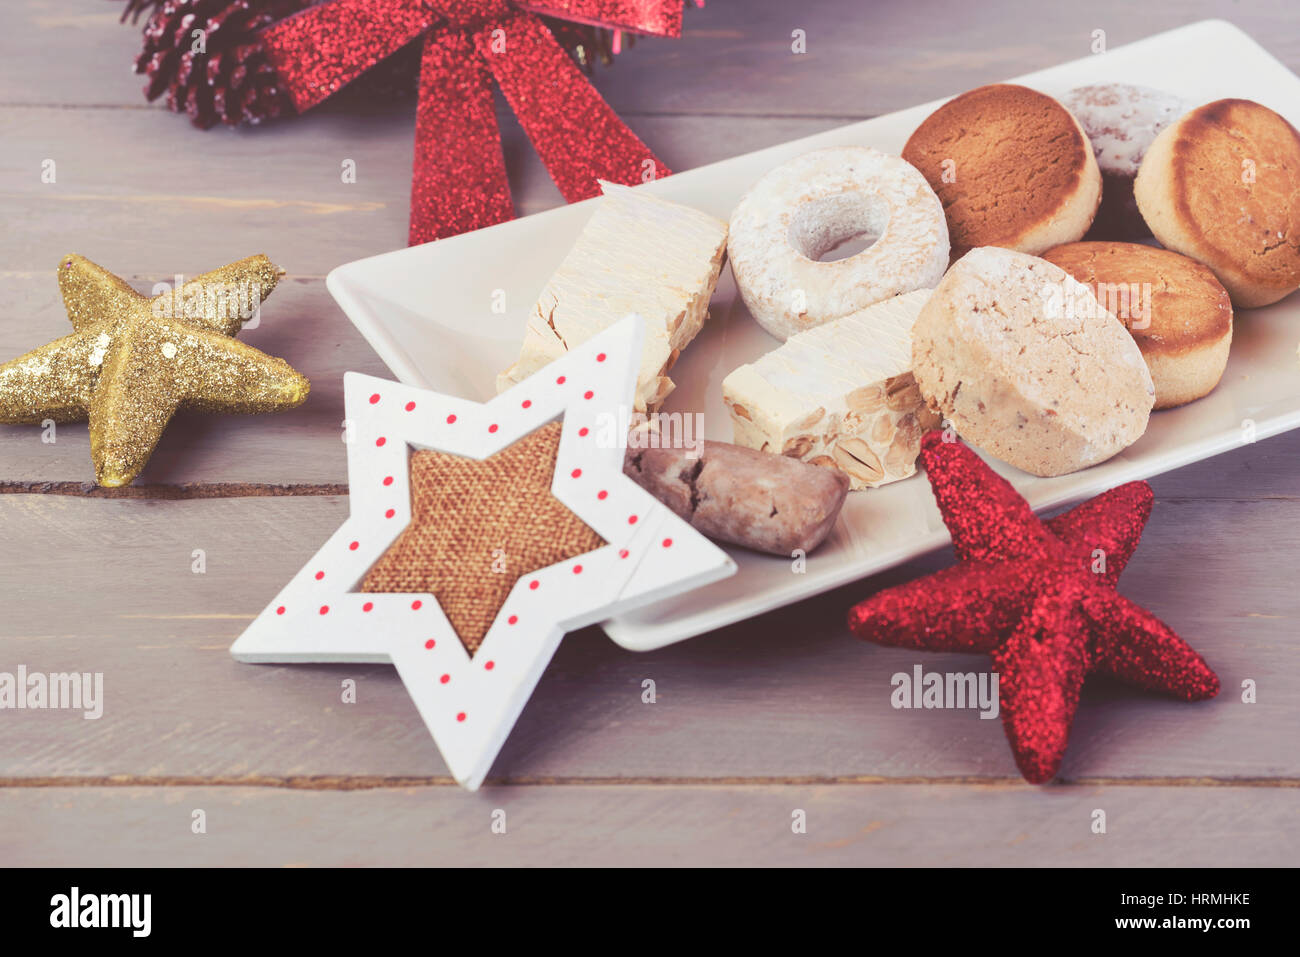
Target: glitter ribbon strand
459	179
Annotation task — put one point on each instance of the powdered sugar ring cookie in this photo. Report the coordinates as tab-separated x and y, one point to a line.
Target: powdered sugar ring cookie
804	208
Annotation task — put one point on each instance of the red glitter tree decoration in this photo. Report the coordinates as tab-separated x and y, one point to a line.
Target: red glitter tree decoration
1039	598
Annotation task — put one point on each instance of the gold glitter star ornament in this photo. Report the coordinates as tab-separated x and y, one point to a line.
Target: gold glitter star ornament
132	361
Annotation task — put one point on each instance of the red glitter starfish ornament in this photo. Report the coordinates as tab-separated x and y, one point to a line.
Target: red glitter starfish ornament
1039	597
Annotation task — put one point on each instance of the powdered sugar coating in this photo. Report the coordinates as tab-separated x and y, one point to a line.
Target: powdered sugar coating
1024	362
1122	120
804	208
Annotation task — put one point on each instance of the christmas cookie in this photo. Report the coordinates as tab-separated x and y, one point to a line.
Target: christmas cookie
1121	120
803	209
770	503
1222	185
1019	357
1176	311
1012	167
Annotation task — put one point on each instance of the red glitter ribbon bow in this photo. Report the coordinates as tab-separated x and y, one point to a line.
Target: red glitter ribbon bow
459	179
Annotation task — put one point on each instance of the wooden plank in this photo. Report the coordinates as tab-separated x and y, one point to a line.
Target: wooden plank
108	586
634	825
155	197
861	60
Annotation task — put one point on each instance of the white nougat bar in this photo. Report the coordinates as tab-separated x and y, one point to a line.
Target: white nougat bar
636	254
840	395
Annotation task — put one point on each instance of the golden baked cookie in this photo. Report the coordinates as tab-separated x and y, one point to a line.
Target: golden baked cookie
1177	312
1012	167
1222	185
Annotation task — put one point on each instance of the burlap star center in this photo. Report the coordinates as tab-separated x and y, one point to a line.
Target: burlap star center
477	527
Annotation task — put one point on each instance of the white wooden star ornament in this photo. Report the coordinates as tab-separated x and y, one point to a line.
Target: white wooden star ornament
470	703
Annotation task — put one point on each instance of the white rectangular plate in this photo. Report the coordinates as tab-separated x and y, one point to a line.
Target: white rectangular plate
433	314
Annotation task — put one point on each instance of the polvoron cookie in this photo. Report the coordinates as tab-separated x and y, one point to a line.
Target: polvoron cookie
1222	185
1179	315
1021	360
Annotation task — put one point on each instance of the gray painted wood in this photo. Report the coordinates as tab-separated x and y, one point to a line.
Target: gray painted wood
638	825
784	711
733	57
108	586
276	189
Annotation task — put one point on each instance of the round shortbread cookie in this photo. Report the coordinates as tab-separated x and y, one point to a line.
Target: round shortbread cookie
1019	357
1012	167
1222	185
1121	120
1177	312
804	208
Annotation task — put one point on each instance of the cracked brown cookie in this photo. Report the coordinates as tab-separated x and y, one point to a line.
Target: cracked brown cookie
1222	185
1012	168
1023	362
771	503
1177	312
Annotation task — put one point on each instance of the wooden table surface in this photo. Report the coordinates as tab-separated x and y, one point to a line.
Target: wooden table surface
782	713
